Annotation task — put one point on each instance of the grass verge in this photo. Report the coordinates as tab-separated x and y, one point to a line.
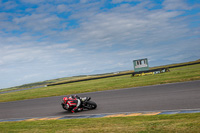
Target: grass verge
180	74
179	123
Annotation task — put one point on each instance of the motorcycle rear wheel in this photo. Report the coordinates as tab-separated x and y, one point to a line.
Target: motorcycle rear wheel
91	105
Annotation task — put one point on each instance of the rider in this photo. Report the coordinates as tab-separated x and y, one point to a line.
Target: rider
73	100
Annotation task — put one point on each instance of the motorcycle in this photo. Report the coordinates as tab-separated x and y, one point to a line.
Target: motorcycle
69	103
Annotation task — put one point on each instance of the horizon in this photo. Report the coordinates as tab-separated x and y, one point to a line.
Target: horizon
48	39
86	75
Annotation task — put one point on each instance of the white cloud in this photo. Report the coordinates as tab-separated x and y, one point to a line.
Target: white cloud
119	1
38	22
175	5
62	8
34	1
105	30
8	5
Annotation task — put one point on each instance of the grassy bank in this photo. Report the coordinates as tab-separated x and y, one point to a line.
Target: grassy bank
180	123
180	74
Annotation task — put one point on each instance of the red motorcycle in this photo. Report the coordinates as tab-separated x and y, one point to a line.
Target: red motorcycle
70	103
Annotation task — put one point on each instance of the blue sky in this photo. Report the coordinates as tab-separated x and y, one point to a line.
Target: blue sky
48	39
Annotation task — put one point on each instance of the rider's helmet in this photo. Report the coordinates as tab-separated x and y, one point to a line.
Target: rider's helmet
65	100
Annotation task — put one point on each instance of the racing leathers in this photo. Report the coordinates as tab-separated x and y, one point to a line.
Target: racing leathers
74	102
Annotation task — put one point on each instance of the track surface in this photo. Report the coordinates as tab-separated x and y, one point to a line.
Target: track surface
173	96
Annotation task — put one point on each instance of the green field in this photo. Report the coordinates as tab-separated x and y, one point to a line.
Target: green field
179	123
180	74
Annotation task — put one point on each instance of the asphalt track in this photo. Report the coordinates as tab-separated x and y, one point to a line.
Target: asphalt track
173	96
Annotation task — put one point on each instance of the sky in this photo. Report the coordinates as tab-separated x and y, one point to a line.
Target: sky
47	39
